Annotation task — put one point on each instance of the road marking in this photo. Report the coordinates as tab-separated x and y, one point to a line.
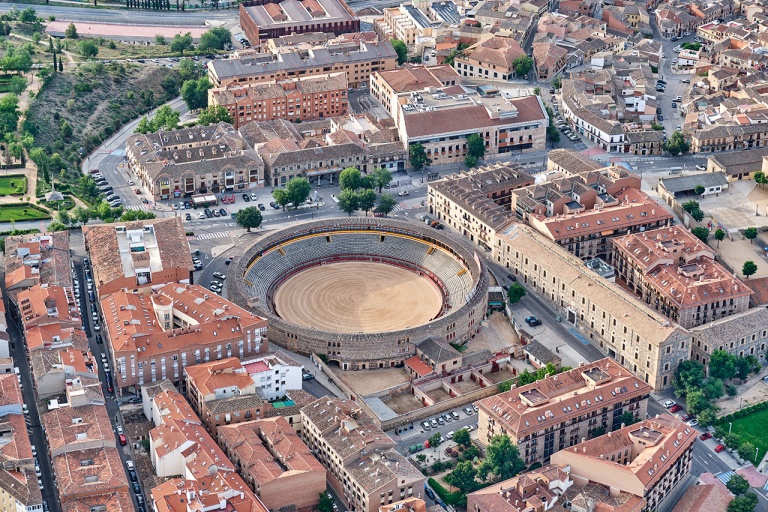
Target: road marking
725	476
139	208
118	152
208	236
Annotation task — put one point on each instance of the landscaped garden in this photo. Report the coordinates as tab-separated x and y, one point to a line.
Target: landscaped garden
22	211
747	432
13	185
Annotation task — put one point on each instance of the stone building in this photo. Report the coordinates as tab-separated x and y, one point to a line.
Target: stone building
743	334
265	19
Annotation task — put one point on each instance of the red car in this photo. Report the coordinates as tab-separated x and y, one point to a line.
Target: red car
138	190
93	171
687	417
719	448
705	436
123	440
110	389
675	408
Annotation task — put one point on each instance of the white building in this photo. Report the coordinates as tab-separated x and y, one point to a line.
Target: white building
274	375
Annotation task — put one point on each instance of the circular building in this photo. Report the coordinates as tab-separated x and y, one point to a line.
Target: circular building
363	291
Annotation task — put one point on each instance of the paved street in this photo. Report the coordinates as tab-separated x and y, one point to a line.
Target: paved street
137	17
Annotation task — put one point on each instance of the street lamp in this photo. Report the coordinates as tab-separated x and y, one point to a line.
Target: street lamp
729	427
756	449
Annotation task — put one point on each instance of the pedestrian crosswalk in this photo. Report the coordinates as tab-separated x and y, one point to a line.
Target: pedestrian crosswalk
725	476
138	208
398	208
118	152
209	236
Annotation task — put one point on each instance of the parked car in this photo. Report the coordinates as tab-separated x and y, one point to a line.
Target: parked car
429	492
246	198
222	212
687	417
123	440
261	207
447	417
402	193
693	422
433	423
136	488
208	213
686	80
669	403
468	411
454	415
705	436
719	448
532	321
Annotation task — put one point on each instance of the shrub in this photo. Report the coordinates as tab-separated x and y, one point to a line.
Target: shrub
450	498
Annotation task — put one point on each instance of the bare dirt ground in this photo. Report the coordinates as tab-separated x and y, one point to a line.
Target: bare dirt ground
366	382
736	252
354	297
499	376
753	391
404	403
438	395
466	386
496	335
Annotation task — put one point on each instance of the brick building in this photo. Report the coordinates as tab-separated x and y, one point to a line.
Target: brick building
266	19
296	99
275	462
38	258
676	274
492	59
559	411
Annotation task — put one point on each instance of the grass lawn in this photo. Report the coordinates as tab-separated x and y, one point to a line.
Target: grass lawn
17	212
752	428
13	185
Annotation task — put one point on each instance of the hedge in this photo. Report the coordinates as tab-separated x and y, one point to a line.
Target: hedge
742	412
450	498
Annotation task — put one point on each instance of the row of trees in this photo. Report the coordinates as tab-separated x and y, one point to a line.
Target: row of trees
166	118
527	377
357	191
743	501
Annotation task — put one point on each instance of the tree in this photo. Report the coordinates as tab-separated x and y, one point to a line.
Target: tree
676	144
722	365
744	503
732	441
195	92
700	233
17	84
160	40
298	190
502	459
350	179
462	437
248	218
515	293
381	178
435	439
348	201
281	197
707	417
748	268
366	200
64	218
418	156
693	208
698	190
470	161
688	375
747	451
81	215
463	477
181	43
696	401
537	91
386	204
66	129
743	367
627	418
719	236
557	82
401	49
553	134
213	114
522	65
9	114
28	15
134	215
713	389
87	49
750	234
61	64
476	145
737	484
326	503
189	70
760	177
71	31
215	39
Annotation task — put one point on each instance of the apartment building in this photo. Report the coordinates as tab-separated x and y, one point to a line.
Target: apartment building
475	202
39	258
676	274
74	429
648	459
358	59
742	334
89	474
559	411
265	19
51	369
363	465
154	336
44	305
219	380
492	59
195	160
406	22
137	255
583	212
550	60
294	99
18	484
275	462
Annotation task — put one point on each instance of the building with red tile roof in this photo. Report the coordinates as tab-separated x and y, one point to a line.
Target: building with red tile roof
392	87
38	258
154	336
528	413
276	463
78	428
492	59
220	491
89	473
138	254
646	459
677	274
44	305
704	498
55	336
112	502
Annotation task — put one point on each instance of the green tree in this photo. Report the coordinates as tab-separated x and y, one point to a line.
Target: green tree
160	40
350	179
700	233
366	200
722	365
9	114
749	268
522	65
515	293
470	161
216	38
435	439
71	31
401	49
537	91
713	389
732	390
688	375
760	177
676	144
56	226
738	484
418	157
693	208
627	418
298	190
463	477
696	401
553	134
719	236
166	118
326	503
195	92
134	215
750	234
81	215
744	503
66	129
281	197
743	367
348	201
189	70
476	145
656	126
707	417
747	451
502	459
557	82
17	84
732	441
28	15
462	437
248	218
381	178
386	204
698	190
181	43
213	114
64	218
87	48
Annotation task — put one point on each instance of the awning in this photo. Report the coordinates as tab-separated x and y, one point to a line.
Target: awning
608	232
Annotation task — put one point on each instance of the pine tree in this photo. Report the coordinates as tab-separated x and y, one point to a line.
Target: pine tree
50	44
61	64
54	60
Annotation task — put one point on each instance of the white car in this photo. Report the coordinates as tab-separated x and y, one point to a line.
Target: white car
119	429
669	403
129	464
40	484
402	193
701	167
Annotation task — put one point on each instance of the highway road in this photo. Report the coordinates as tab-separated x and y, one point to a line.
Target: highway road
125	16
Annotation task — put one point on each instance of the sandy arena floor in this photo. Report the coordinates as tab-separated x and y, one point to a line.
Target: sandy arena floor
366	382
354	297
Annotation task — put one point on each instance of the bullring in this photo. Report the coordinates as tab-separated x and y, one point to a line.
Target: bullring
447	273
